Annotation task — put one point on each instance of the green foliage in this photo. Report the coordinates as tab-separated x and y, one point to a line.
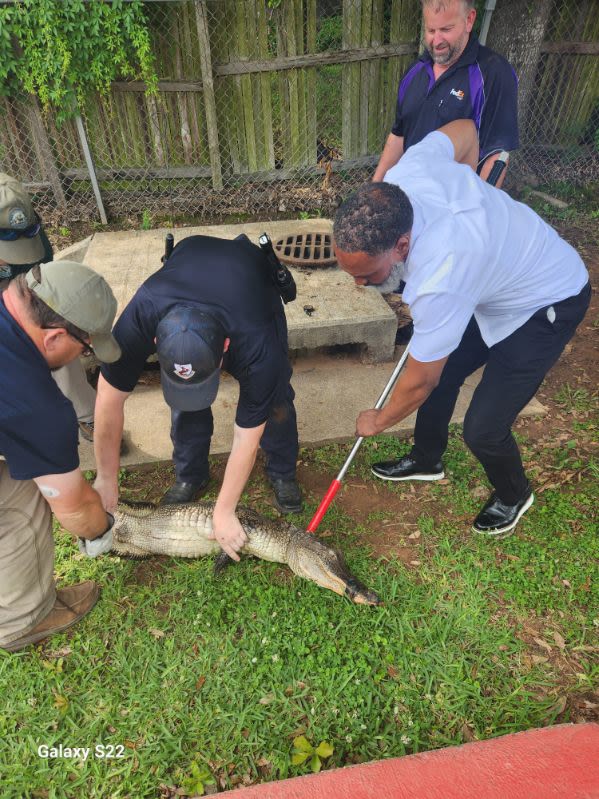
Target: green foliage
330	34
64	51
303	749
146	220
200	776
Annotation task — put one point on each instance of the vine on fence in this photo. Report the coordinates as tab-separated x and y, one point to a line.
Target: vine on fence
64	51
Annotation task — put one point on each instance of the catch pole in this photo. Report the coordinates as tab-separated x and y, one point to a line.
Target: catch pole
336	484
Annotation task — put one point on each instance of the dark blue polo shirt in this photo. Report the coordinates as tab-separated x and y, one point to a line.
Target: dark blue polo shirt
481	86
230	280
38	425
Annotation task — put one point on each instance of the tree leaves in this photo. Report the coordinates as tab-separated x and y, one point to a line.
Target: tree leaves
64	52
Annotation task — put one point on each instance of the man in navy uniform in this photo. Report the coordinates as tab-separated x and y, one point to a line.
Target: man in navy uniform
488	283
213	304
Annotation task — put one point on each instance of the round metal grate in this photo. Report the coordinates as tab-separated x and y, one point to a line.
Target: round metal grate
306	249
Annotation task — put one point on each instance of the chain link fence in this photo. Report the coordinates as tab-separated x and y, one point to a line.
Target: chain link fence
279	108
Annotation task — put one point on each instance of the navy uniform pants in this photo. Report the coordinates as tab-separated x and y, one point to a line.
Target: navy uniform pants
191	433
515	368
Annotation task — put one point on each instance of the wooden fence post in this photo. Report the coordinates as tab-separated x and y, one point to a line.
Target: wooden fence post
208	88
44	151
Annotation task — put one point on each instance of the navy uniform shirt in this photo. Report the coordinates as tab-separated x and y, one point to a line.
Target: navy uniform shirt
38	426
481	86
230	280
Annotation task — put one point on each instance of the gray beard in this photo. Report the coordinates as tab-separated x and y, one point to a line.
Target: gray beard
391	284
450	55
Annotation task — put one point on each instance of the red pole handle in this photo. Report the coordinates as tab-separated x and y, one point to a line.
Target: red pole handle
324	505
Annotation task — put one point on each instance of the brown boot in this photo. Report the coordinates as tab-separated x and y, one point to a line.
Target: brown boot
70	605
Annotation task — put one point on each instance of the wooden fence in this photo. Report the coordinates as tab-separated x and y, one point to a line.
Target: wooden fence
248	92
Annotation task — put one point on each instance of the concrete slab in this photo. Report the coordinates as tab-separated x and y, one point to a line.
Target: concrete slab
342	313
330	392
76	252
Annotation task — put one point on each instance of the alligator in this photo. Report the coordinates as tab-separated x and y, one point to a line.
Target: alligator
141	530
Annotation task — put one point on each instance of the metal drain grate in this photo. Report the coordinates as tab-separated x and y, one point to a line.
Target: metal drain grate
306	249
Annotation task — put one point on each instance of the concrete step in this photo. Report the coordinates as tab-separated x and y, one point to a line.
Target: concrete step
330	392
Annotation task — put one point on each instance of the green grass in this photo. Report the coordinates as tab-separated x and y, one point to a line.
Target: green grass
195	675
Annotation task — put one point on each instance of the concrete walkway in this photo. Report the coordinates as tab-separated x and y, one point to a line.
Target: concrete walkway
330	389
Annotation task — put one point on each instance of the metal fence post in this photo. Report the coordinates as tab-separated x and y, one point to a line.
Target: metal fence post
91	168
484	28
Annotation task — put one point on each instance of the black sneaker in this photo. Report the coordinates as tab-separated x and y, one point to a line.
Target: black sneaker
183	492
406	468
288	497
496	518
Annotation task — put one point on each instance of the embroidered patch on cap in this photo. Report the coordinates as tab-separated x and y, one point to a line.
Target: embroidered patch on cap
184	370
17	218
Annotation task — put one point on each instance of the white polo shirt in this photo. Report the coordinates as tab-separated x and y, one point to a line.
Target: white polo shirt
474	251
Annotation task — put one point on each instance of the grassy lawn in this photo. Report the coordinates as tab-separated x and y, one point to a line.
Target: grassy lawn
188	674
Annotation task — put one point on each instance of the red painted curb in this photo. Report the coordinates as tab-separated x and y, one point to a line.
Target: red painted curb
560	762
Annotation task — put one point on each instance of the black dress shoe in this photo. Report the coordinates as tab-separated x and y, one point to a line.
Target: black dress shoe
496	518
183	492
288	497
406	468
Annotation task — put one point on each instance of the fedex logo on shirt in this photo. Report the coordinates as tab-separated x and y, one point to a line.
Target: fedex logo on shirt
457	93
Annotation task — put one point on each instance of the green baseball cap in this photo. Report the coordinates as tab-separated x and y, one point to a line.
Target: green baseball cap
20	241
83	298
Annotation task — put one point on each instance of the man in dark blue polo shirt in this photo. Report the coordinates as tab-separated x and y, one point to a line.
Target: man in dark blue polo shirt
455	78
212	304
48	317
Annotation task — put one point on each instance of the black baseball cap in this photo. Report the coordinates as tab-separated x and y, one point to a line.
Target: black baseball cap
190	345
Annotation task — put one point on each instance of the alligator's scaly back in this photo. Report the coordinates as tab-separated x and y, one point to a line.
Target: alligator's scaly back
183	530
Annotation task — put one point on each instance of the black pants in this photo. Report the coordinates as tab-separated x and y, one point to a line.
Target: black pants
515	368
191	433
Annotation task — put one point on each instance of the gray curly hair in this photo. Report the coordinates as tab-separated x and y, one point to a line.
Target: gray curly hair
372	219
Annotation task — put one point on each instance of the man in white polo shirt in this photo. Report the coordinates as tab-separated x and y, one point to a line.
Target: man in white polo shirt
487	282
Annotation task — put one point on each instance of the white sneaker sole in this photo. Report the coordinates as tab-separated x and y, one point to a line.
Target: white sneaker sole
502	530
427	477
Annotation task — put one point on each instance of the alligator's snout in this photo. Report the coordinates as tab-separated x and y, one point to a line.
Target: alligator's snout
327	567
358	593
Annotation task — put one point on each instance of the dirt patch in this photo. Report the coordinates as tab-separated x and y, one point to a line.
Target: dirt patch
397	534
149	571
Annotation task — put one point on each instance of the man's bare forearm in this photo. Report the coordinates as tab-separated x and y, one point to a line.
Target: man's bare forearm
238	469
90	520
109	420
74	502
392	152
412	389
464	138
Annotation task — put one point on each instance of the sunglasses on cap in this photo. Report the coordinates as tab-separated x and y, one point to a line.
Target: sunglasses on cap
10	234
